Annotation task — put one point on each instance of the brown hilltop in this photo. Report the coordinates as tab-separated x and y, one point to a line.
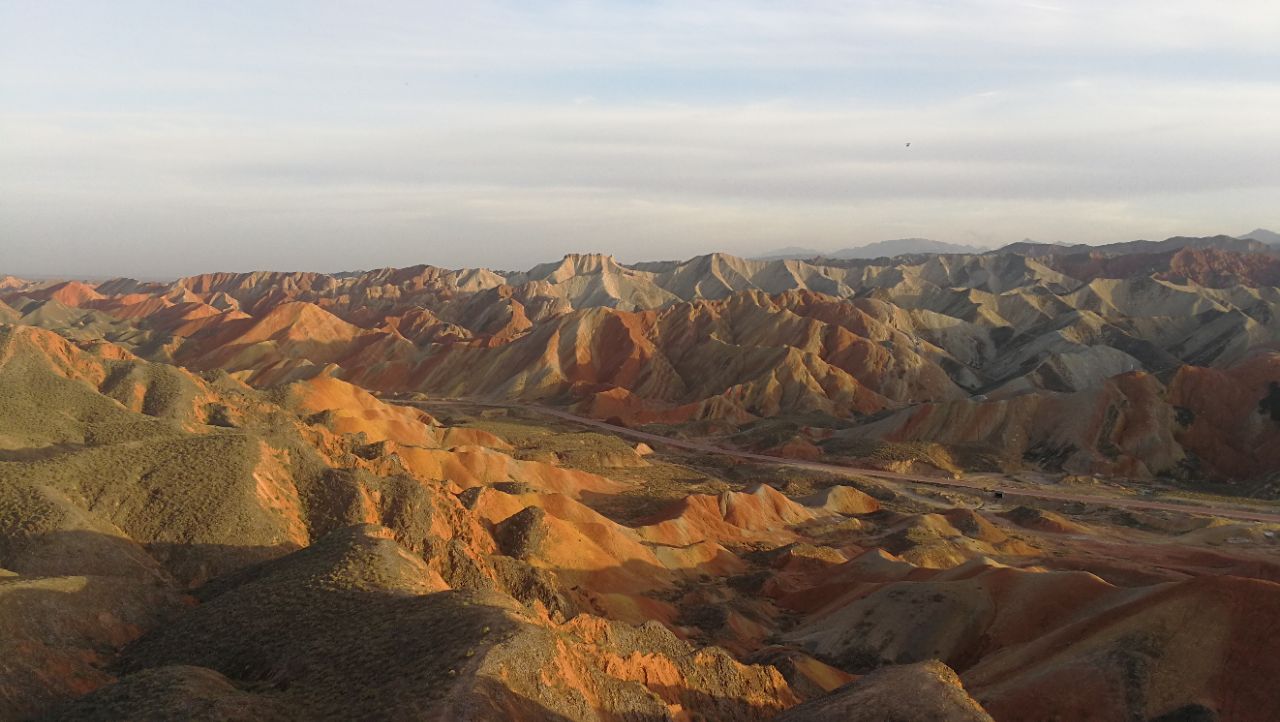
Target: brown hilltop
296	321
68	293
9	283
1231	417
1219	269
130	306
1208	267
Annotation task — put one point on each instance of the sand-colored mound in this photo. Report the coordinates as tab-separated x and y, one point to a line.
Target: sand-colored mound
9	283
352	410
584	548
1221	531
624	458
762	514
500	501
457	436
842	500
938	541
598	555
478	466
923	691
975	525
796	448
700	559
1044	521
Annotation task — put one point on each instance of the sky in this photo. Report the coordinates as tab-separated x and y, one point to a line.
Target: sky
156	139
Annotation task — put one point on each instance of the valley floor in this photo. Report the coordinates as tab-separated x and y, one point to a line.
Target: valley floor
1030	485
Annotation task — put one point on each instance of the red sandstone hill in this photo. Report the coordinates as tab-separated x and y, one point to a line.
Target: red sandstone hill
1208	267
1220	269
1007	341
69	293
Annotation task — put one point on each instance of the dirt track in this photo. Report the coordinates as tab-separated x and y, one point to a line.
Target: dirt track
984	486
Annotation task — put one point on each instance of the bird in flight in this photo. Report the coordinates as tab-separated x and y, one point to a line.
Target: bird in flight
908	145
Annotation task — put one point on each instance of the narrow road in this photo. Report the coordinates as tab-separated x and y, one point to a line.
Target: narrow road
967	485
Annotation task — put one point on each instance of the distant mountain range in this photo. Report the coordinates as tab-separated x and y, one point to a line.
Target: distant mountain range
1259	240
1270	238
1177	243
880	249
796	252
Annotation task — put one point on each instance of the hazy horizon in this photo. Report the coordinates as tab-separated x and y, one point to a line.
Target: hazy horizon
152	140
623	259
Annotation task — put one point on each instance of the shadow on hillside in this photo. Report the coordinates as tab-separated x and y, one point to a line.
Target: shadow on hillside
58	632
195	565
279	628
89	553
39	453
76	597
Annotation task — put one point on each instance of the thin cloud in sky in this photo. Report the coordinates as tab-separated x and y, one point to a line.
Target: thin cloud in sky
162	138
